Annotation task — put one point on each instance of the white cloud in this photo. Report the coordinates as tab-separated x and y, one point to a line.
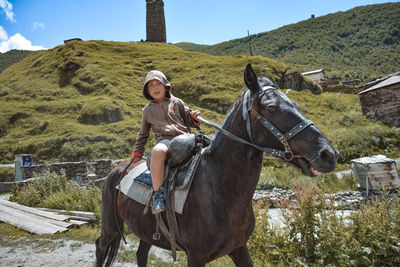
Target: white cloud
17	41
3	34
7	8
38	25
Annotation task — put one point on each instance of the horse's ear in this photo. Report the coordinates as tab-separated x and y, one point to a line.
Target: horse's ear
250	79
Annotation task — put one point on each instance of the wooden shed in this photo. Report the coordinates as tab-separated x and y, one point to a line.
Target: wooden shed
315	75
381	101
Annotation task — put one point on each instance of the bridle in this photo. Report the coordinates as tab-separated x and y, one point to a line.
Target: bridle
287	153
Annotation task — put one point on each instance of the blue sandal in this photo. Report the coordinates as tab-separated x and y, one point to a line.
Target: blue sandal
158	204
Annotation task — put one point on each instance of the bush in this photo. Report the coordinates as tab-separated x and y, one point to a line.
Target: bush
6	174
361	142
50	190
317	235
375	232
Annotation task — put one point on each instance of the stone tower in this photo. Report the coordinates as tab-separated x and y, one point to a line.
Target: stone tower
155	21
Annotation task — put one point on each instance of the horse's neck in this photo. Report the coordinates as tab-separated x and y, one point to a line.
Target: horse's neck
238	164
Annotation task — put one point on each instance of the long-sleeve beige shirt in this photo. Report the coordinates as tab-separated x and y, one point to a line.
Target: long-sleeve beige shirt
167	119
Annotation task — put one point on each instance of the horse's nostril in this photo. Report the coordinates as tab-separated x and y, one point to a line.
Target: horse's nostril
328	155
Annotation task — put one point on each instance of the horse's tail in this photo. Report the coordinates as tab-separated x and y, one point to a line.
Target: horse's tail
108	243
108	256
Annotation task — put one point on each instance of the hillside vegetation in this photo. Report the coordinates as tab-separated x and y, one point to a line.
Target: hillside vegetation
11	57
83	100
361	43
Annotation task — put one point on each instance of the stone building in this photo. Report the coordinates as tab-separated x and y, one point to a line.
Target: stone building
380	100
155	21
315	75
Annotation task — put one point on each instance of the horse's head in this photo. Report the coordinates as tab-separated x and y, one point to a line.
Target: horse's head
276	123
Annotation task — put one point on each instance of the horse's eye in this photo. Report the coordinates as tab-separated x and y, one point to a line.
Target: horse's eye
271	108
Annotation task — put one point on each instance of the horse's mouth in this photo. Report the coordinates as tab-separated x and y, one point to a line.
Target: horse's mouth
307	168
313	170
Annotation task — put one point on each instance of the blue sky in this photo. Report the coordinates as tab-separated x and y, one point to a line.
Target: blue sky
39	24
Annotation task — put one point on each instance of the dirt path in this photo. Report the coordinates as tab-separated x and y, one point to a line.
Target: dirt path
24	252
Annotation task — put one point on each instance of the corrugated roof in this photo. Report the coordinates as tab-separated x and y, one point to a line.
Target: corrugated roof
387	82
312	72
373	159
378	80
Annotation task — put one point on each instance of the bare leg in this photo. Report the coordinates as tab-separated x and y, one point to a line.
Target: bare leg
241	257
158	157
142	253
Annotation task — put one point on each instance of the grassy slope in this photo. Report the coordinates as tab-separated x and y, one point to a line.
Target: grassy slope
43	101
11	57
361	43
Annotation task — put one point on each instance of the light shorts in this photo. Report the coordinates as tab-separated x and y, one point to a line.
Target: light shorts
165	142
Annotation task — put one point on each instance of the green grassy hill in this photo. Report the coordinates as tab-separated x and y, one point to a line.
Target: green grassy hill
361	43
83	100
11	57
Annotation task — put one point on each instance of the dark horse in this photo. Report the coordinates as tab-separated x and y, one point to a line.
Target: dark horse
218	216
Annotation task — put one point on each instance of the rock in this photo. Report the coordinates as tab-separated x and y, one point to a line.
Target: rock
108	114
344	200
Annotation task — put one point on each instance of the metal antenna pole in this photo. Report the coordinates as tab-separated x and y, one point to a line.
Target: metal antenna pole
249	41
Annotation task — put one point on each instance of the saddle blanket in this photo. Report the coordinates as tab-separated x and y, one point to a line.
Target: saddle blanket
137	184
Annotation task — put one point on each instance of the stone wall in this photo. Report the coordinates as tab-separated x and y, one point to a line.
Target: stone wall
350	200
81	171
296	81
382	104
72	169
329	82
101	167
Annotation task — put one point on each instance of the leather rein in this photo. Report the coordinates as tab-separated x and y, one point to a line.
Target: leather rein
287	153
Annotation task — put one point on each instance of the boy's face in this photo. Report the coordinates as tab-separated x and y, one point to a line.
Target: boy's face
156	90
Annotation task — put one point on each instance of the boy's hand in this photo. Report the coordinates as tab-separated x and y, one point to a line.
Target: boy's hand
194	115
136	157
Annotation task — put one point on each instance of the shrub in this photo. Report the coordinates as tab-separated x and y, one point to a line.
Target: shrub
317	235
6	174
375	234
50	190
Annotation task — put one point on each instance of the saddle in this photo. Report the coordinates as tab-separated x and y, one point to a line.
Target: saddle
184	154
181	151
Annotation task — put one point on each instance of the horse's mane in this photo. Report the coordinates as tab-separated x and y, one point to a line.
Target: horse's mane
263	81
228	119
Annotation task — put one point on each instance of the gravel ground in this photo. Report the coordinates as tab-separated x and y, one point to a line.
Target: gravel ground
24	252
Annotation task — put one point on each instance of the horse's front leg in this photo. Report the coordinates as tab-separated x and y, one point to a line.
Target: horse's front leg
241	257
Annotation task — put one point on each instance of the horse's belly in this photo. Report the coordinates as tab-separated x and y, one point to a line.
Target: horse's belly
142	225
